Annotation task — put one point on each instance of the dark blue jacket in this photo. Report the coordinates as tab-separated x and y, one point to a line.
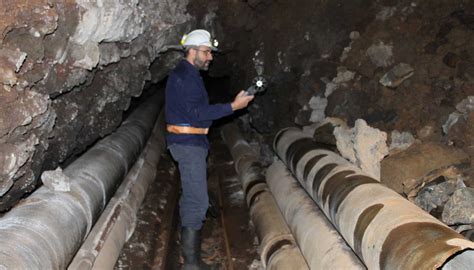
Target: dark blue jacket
187	104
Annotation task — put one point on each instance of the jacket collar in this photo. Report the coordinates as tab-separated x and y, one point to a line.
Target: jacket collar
190	67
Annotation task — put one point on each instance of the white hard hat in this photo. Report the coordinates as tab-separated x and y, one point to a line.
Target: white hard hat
199	37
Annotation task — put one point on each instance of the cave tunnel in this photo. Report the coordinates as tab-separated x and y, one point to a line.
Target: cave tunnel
356	152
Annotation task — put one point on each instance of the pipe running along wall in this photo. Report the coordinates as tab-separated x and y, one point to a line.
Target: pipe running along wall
46	229
385	230
117	223
278	249
320	243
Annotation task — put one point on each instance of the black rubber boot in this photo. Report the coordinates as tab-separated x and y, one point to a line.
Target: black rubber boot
191	249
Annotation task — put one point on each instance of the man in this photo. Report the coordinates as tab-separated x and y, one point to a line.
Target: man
189	116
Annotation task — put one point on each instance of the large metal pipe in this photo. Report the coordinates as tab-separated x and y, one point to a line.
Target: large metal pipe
272	230
247	162
46	229
278	249
321	244
385	230
117	223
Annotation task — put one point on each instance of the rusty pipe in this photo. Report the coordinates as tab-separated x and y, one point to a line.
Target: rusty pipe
271	230
247	162
117	223
287	257
47	228
277	248
319	241
385	230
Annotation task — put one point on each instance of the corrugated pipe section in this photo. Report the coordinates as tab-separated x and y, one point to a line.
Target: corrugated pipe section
117	223
385	230
47	228
321	245
277	245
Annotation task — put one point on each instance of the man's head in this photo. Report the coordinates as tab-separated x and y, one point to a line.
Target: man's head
199	47
199	56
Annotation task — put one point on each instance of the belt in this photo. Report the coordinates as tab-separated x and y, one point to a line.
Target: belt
186	130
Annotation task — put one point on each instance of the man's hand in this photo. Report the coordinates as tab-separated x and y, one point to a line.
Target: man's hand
241	101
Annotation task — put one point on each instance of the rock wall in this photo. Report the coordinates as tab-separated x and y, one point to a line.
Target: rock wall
68	69
403	66
292	43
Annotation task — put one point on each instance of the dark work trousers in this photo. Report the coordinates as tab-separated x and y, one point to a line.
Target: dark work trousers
194	200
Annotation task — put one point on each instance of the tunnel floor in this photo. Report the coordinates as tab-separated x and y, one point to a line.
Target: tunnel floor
229	240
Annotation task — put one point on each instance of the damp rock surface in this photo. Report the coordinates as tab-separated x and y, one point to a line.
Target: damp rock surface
363	146
459	209
69	69
418	165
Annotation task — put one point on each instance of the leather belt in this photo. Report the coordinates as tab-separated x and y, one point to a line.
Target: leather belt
186	130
